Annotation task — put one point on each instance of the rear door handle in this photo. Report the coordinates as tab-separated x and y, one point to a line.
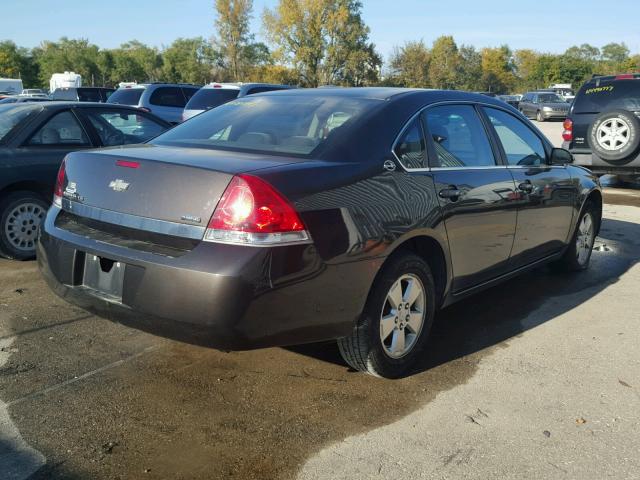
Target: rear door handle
526	186
452	192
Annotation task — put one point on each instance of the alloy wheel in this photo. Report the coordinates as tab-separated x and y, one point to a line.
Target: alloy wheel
584	238
402	316
613	134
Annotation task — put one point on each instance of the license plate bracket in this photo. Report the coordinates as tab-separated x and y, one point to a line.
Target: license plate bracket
105	277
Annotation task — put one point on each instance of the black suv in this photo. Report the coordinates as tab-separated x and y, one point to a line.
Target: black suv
82	94
603	127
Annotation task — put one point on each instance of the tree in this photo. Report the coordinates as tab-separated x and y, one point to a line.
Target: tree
469	68
497	69
526	65
615	52
584	52
188	60
444	63
410	65
326	41
68	55
17	62
234	38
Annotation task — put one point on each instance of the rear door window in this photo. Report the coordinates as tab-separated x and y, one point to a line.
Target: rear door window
459	138
62	129
592	98
123	127
126	96
168	97
521	146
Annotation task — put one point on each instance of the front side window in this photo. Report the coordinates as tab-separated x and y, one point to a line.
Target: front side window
459	138
287	124
167	97
410	149
62	129
521	145
124	127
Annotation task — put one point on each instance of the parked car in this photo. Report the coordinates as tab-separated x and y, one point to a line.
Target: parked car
166	100
216	94
564	90
603	129
315	214
543	106
34	138
22	99
34	92
82	94
513	100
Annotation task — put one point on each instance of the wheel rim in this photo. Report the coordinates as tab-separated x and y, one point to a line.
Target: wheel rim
21	226
402	316
613	134
584	239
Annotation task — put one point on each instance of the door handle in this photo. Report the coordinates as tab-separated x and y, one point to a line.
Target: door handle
452	193
526	186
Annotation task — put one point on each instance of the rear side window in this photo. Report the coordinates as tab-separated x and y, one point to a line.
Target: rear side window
208	98
624	94
521	145
62	129
410	148
126	96
167	97
459	138
12	115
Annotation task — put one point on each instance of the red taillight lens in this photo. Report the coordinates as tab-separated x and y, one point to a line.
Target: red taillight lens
567	134
58	191
252	212
127	164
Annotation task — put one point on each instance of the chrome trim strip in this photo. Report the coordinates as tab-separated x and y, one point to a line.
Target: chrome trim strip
163	227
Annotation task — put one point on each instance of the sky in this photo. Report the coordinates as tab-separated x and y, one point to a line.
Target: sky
541	25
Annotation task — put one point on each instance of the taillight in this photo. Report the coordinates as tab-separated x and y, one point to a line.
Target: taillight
567	134
252	212
58	191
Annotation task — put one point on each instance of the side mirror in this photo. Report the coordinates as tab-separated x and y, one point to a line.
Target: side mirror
560	156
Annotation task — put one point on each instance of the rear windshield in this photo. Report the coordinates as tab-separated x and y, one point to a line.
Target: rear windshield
207	98
550	98
593	98
126	96
271	124
89	95
11	115
65	94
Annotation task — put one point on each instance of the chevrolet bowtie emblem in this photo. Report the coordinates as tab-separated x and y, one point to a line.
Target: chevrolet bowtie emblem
118	185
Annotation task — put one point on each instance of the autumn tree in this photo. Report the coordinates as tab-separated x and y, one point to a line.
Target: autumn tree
234	39
497	69
443	67
469	68
325	41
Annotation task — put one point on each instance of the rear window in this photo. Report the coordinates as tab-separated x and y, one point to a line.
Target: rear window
167	97
126	96
278	124
11	115
65	94
208	98
593	98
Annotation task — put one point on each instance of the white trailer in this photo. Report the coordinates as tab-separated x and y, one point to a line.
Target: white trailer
65	80
11	85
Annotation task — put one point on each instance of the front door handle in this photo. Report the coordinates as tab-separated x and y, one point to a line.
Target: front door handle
526	186
452	193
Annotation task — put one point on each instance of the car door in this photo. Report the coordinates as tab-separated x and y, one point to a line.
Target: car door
545	193
475	192
44	147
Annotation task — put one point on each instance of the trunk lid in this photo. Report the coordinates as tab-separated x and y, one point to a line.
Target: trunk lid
177	185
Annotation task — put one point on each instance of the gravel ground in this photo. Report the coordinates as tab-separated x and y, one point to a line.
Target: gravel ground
538	377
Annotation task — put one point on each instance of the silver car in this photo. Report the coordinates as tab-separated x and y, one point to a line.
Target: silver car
543	106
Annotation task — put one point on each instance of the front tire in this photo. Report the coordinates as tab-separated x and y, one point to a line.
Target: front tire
539	116
396	320
20	216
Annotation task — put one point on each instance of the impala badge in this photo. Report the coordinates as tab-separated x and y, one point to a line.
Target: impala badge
118	185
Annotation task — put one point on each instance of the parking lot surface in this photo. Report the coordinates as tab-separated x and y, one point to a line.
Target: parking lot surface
536	378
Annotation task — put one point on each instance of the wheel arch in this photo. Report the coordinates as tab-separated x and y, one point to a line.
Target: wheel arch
44	190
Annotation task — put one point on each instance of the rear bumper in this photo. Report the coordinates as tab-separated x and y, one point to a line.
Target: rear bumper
221	296
598	165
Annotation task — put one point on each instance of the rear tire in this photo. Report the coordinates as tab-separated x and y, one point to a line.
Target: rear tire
20	216
578	255
396	320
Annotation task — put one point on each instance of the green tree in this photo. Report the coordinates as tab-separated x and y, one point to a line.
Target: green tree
469	68
76	55
526	65
443	67
410	65
17	62
325	41
188	60
497	69
615	52
584	52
